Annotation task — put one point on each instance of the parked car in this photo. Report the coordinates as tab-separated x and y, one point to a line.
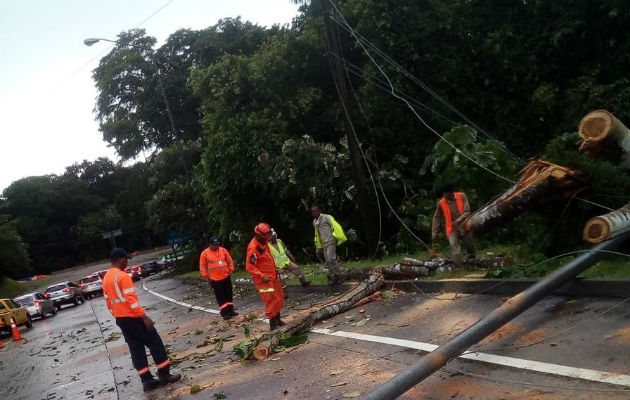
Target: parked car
150	268
36	304
10	309
65	293
101	273
91	286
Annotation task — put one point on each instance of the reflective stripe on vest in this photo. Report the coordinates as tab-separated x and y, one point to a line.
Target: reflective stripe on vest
446	211
268	290
120	293
280	254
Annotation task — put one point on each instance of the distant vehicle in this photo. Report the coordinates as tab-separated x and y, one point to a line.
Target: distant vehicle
36	304
101	273
150	268
10	309
91	286
134	272
65	293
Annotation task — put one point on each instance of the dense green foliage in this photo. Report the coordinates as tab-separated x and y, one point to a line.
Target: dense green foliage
258	131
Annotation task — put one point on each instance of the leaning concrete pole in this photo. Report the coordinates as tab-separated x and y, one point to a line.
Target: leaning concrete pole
433	361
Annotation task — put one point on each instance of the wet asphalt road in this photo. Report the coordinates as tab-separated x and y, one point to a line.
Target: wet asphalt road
79	353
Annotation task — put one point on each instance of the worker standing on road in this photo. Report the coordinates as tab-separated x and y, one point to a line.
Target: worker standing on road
284	259
137	328
454	209
328	235
215	266
262	267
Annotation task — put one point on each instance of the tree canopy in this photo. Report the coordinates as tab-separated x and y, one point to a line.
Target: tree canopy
257	131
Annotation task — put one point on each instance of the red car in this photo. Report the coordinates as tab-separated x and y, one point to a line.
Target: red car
134	272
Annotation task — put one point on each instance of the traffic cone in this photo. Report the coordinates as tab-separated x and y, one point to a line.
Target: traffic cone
15	331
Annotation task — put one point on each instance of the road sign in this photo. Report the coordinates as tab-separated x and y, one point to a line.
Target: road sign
109	235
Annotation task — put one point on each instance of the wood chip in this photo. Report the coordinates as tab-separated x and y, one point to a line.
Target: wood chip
351	394
339	384
336	372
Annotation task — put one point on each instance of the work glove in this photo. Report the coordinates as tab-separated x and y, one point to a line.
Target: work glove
320	253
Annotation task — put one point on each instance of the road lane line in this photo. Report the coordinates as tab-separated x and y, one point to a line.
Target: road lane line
536	366
181	303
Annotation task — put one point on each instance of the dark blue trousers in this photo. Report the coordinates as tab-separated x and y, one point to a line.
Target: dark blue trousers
137	337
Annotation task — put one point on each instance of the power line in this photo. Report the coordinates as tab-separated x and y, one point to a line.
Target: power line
393	92
363	45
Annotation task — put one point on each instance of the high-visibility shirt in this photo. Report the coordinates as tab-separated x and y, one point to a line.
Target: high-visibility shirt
446	212
120	294
216	264
327	229
279	252
259	262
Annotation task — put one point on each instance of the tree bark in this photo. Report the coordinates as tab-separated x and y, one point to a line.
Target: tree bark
309	317
603	134
540	181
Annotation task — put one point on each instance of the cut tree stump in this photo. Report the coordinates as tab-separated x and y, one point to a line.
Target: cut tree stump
540	181
603	134
607	226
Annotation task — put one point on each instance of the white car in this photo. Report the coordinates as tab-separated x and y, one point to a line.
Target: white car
36	304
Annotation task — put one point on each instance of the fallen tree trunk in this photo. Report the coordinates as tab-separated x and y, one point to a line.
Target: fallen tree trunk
308	318
540	181
603	134
607	226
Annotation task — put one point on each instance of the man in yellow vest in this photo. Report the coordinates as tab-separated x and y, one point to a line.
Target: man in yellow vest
328	235
284	259
454	209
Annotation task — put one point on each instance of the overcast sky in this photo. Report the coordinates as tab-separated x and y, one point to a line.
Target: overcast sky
46	91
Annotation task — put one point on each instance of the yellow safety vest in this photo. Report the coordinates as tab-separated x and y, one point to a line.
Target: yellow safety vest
337	233
280	256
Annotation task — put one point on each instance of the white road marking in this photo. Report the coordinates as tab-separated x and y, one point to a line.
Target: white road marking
553	369
181	303
536	366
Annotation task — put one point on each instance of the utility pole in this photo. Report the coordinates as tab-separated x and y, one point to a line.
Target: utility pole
356	159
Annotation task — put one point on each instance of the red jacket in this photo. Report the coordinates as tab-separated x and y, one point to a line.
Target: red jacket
217	265
259	263
120	294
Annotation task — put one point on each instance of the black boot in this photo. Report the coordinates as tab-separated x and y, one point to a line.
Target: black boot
149	382
232	312
280	322
303	281
166	378
273	323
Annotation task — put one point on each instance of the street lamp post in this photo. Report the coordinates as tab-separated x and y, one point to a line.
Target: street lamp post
90	42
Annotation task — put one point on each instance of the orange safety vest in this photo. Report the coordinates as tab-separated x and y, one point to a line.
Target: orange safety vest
259	263
446	211
120	294
216	264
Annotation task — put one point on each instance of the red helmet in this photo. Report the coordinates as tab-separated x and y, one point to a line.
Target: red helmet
262	228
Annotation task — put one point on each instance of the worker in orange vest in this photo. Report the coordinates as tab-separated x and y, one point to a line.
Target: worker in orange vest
261	265
137	328
215	266
454	209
